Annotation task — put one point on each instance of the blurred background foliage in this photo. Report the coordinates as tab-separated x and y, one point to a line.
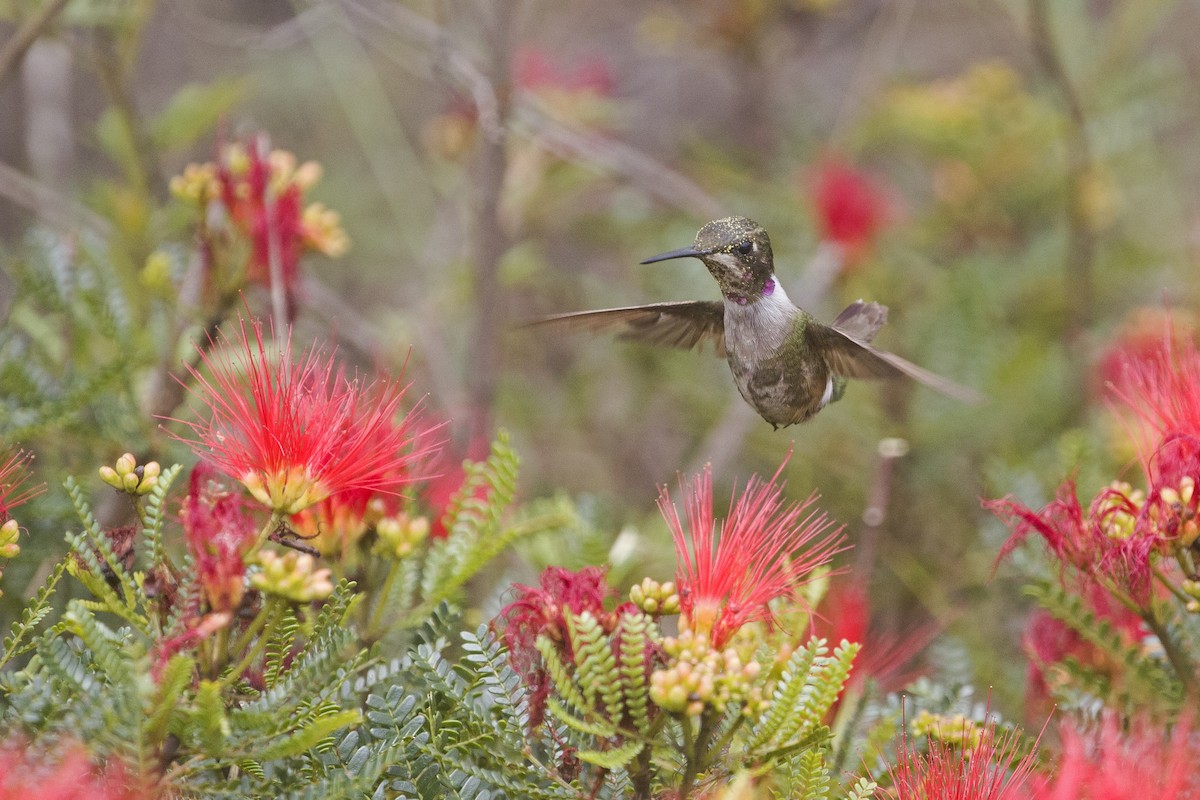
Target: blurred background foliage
1015	179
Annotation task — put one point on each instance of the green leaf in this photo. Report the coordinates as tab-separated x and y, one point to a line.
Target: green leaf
193	111
616	758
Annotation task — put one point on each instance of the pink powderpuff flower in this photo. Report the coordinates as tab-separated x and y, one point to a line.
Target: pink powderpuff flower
14	472
989	768
296	430
728	574
219	535
850	208
1142	763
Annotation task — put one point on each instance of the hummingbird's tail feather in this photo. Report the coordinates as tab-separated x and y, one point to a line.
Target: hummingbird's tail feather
861	320
941	385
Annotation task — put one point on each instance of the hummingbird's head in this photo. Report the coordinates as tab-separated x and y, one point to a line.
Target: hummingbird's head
737	252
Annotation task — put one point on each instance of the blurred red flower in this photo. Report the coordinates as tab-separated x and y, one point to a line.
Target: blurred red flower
534	71
728	574
850	208
1112	763
296	430
69	773
844	613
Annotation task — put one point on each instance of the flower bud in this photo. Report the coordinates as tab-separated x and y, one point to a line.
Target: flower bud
291	576
9	532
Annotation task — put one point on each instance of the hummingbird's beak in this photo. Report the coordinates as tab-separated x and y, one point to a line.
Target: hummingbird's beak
683	252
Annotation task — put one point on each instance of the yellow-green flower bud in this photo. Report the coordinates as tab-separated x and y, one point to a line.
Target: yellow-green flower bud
110	476
126	476
9	532
291	576
126	464
400	534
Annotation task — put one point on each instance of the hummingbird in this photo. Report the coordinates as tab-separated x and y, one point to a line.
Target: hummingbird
786	364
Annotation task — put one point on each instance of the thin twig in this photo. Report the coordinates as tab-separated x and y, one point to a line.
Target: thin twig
448	59
31	29
1081	243
56	209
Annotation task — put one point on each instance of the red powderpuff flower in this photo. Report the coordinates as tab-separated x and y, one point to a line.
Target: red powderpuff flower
296	430
1111	764
850	208
990	769
14	471
219	534
540	610
1105	545
728	574
26	774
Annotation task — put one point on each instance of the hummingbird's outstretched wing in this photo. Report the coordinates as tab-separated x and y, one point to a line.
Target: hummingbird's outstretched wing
851	358
682	324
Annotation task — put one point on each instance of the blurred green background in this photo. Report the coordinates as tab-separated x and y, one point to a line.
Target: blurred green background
1015	179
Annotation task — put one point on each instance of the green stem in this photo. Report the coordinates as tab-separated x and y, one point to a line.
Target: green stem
720	744
257	624
385	593
1178	659
220	648
1171	587
271	614
697	753
689	757
270	527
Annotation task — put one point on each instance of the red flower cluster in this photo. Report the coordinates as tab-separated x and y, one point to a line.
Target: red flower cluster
219	535
261	193
540	611
728	574
1101	545
296	431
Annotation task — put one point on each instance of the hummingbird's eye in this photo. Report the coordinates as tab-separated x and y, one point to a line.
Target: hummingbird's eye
745	247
